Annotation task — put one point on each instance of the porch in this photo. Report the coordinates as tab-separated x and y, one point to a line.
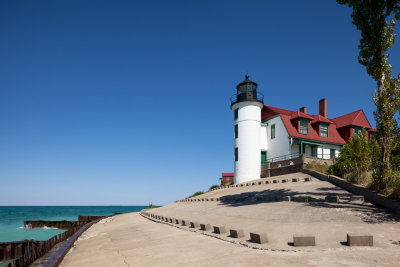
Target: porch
315	150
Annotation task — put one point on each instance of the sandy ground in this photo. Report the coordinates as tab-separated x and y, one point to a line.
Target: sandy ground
133	240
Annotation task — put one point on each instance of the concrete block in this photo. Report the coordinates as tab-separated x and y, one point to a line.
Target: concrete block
218	199
259	183
171	220
304	199
237	185
211	199
287	198
185	223
206	199
205	227
284	180
253	183
266	182
258	238
241	185
332	198
194	225
247	184
275	181
202	199
295	180
307	179
303	240
236	233
219	229
357	199
178	221
354	239
166	219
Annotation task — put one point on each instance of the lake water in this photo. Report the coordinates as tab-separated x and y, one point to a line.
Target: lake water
12	219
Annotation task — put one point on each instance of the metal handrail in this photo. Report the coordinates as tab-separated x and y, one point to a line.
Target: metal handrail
284	157
260	97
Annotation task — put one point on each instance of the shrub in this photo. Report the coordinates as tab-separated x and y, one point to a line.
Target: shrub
197	193
355	160
213	187
226	183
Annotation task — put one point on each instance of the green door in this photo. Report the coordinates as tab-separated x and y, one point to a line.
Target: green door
333	153
314	151
263	157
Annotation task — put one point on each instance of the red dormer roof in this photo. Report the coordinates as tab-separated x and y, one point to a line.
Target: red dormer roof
298	114
319	118
356	118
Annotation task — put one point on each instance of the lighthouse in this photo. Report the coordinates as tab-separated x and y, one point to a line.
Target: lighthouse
246	105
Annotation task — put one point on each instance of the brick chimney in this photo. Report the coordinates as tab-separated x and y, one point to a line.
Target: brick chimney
323	107
303	109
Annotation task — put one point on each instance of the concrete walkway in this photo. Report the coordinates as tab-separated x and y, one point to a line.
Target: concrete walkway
131	240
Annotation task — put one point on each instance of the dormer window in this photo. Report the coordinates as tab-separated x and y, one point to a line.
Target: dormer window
324	130
357	130
303	127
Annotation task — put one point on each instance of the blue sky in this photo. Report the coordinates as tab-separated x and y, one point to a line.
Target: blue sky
127	102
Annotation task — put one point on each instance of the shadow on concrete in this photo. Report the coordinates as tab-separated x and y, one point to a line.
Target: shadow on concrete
368	212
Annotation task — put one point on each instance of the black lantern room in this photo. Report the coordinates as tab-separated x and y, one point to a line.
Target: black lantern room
247	91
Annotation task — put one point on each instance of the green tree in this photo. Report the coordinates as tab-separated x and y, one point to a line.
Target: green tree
355	160
377	37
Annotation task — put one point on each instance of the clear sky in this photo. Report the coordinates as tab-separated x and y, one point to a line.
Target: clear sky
127	102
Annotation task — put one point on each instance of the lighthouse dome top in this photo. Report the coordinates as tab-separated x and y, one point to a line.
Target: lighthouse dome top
247	91
247	85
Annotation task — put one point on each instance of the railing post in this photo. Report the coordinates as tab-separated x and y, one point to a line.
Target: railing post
268	169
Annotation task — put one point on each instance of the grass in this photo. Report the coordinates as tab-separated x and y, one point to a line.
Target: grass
315	166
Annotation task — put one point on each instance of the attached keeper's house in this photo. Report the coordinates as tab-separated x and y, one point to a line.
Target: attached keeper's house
264	133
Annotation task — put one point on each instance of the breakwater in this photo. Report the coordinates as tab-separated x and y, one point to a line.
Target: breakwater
23	253
82	220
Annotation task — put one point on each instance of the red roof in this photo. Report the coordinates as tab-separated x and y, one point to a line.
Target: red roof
356	118
297	114
227	174
319	118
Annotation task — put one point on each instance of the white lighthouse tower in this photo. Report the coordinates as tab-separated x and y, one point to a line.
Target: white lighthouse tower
246	106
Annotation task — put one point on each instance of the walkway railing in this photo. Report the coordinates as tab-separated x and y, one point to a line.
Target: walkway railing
284	157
